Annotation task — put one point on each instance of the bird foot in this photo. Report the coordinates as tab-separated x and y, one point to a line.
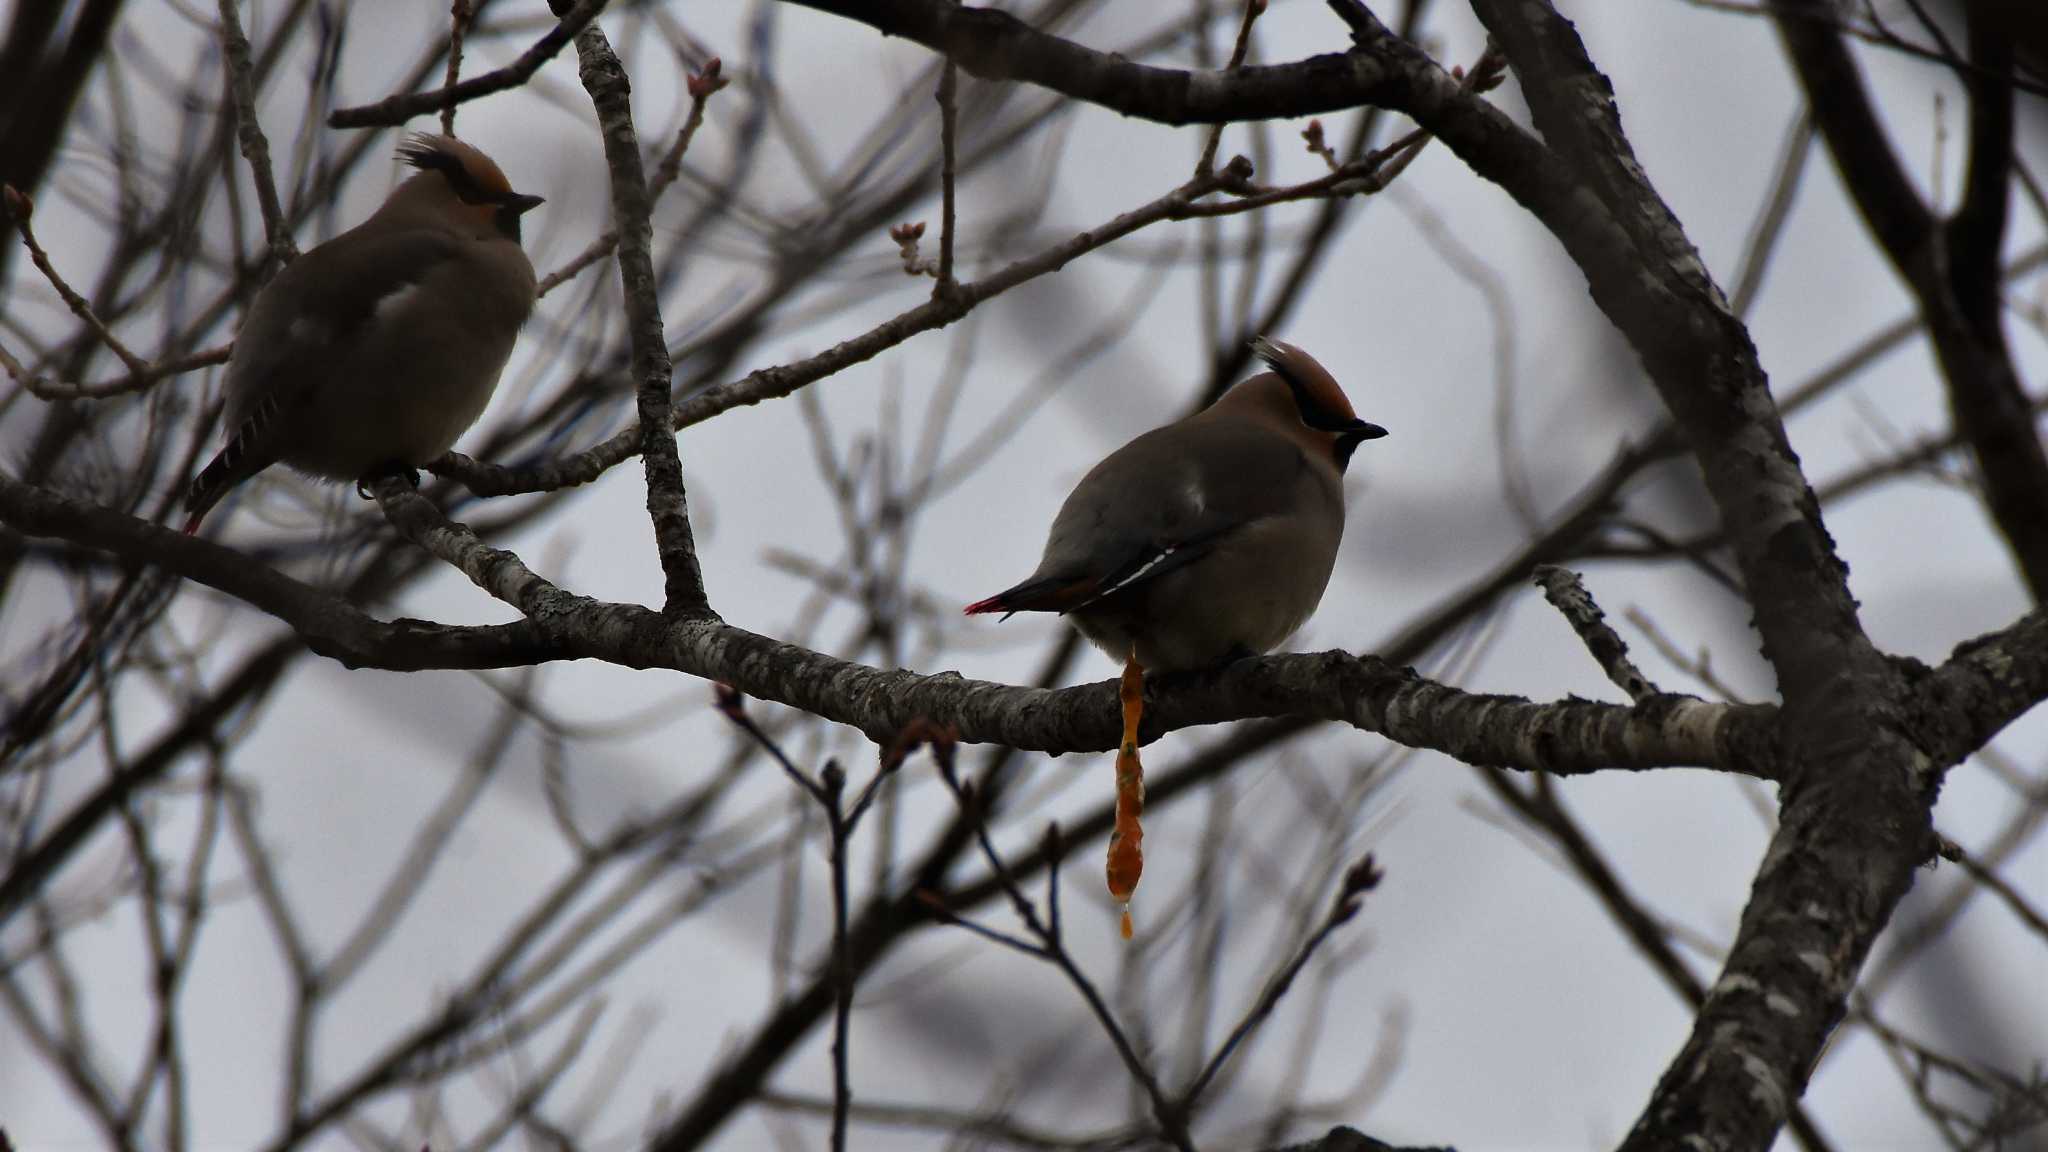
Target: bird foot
406	472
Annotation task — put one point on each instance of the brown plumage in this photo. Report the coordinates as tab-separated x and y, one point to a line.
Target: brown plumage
375	351
1197	543
1212	537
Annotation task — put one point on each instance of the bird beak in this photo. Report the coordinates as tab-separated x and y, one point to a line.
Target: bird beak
521	205
1350	434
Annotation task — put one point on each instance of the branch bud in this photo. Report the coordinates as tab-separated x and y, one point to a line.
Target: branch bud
707	79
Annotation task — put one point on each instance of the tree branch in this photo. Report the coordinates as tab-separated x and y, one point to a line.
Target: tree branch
995	45
1952	270
1567	593
668	503
785	379
1569	737
395	110
331	626
1986	684
1855	817
1841	105
1976	233
249	130
1565	737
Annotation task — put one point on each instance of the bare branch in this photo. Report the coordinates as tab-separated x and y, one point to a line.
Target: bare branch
668	504
782	380
329	624
150	374
20	208
949	130
394	110
1567	593
701	85
460	12
255	145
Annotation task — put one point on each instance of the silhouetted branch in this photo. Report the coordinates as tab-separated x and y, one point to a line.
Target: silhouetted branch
394	110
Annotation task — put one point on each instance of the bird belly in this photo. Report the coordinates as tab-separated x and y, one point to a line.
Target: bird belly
403	405
1247	597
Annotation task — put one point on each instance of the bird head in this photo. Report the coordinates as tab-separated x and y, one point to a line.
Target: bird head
1318	400
459	180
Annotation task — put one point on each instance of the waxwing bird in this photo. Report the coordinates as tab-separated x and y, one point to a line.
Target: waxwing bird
375	351
1201	542
1213	537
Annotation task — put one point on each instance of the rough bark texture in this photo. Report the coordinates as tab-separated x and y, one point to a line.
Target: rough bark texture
1859	743
1854	820
668	505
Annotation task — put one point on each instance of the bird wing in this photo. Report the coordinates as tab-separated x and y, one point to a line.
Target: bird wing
328	299
1161	502
1066	591
320	305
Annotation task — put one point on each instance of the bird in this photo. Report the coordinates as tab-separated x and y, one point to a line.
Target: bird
372	353
1200	543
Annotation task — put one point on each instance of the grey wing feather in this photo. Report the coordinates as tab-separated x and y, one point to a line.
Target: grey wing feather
321	301
1165	518
324	300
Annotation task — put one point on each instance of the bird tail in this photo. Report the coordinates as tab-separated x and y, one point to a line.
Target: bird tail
1052	594
239	459
216	480
992	604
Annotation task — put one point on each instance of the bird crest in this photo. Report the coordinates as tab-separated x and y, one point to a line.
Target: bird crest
1322	402
474	176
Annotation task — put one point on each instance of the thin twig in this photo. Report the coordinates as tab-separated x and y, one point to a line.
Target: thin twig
949	130
48	389
1567	593
782	380
1253	9
1474	269
731	704
458	26
2028	915
1699	667
701	84
249	132
1770	223
395	110
834	779
20	208
1051	948
829	791
1359	879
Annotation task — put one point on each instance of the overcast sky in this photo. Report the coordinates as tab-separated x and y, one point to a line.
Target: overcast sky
1524	1020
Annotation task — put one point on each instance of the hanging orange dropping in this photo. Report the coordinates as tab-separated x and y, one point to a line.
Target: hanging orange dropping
1126	863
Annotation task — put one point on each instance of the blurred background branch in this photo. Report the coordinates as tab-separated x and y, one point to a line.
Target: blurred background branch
521	897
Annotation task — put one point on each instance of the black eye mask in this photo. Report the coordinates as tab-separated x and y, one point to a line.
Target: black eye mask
511	205
1351	431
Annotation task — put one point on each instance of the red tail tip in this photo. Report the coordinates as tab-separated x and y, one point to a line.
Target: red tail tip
992	604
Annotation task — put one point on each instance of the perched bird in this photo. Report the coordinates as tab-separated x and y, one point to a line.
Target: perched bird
375	351
1211	538
1201	542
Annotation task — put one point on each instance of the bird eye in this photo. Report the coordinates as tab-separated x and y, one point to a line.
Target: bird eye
466	189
